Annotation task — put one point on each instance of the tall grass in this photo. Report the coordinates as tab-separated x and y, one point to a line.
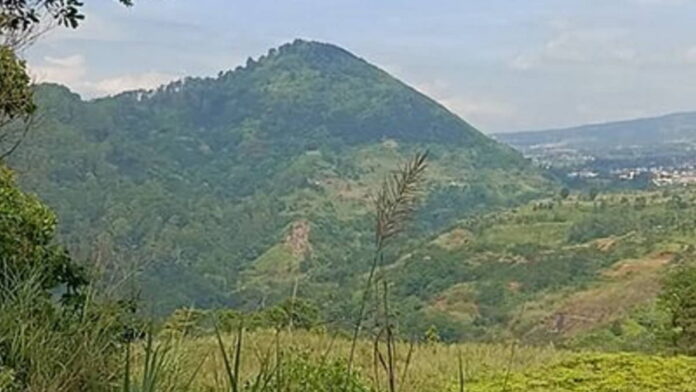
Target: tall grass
160	366
431	366
394	205
49	348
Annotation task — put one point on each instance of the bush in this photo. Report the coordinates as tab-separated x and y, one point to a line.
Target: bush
301	373
678	299
599	373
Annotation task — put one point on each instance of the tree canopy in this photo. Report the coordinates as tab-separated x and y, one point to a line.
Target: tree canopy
25	14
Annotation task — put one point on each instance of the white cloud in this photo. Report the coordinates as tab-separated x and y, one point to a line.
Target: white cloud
580	46
65	70
147	81
72	71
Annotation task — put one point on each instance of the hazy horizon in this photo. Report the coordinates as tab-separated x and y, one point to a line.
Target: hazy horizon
502	67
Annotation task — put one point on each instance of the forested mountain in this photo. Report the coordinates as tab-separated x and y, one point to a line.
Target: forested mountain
235	189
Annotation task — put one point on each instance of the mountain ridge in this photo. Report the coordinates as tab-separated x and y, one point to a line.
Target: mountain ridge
655	128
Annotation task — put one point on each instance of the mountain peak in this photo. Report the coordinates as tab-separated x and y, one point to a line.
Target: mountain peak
303	133
309	53
302	46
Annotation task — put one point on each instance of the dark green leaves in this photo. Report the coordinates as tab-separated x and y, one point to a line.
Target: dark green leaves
22	15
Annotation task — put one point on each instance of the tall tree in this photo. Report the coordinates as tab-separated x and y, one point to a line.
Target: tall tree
16	101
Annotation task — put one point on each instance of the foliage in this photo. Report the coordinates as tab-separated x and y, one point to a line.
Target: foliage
645	329
679	300
291	313
25	14
599	373
193	184
27	250
321	357
515	270
300	372
16	101
565	192
47	347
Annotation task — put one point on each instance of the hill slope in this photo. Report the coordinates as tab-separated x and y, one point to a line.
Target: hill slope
552	270
229	190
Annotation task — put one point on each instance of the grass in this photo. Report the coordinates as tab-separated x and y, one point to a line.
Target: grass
433	367
47	349
600	373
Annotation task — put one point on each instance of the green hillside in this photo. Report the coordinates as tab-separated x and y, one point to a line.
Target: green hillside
577	271
233	190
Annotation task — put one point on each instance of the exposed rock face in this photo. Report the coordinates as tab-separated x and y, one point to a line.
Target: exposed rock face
298	239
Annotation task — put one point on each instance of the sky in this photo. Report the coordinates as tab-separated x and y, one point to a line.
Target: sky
502	65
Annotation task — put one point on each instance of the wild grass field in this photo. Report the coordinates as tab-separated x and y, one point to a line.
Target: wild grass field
196	364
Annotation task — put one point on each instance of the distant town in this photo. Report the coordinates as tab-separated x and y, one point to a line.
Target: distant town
654	169
659	176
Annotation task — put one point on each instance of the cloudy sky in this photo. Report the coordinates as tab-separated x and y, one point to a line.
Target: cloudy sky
503	65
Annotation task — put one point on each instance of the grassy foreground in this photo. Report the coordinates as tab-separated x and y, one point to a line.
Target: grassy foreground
432	366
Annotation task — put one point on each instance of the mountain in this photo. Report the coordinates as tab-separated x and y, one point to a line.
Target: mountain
668	138
238	190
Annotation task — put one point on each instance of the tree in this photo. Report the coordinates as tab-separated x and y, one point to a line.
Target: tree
565	192
678	299
27	251
593	193
24	15
16	101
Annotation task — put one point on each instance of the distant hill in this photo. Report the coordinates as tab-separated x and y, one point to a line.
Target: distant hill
667	136
232	190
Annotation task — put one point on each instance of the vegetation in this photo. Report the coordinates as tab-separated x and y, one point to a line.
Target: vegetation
24	15
547	271
600	373
199	186
679	300
254	184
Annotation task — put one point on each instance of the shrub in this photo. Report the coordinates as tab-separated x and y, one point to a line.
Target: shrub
599	373
678	298
299	372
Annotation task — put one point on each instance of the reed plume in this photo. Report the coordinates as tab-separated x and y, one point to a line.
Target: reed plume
396	201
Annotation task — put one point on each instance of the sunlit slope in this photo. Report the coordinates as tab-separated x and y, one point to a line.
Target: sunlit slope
551	270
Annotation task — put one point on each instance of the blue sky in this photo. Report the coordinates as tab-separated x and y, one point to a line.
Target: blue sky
503	65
